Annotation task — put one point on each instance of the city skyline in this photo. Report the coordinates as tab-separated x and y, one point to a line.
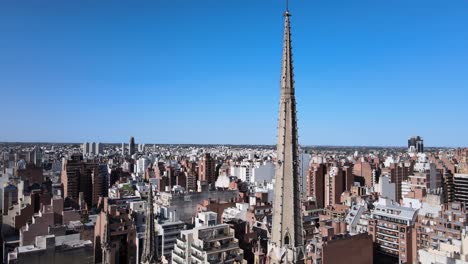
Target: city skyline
290	203
103	73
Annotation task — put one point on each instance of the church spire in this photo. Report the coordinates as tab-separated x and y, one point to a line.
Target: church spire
150	248
106	242
286	242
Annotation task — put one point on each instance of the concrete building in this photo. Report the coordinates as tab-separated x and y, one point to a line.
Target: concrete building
238	212
92	148
206	169
87	177
131	146
210	243
449	252
168	228
405	188
207	218
399	172
337	180
316	183
364	172
36	156
448	186
416	144
334	183
345	249
460	186
85	148
9	197
70	177
452	219
48	217
386	188
304	163
19	213
357	219
31	174
242	172
263	173
142	165
391	228
427	221
462	157
115	233
100	183
54	250
425	175
99	148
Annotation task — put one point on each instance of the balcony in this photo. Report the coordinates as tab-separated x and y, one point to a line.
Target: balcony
393	249
179	256
388	239
389	234
180	245
197	248
387	227
198	257
224	248
221	237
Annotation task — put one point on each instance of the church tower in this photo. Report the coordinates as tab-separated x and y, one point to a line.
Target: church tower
286	244
150	247
106	243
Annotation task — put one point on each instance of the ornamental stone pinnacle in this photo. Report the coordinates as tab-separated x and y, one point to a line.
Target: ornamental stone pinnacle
286	244
106	242
150	247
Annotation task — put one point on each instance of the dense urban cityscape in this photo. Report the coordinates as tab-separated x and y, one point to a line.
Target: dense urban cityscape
131	202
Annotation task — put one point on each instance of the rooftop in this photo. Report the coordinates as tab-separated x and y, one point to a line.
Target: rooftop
388	208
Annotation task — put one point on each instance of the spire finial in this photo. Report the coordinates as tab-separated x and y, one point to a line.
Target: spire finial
286	12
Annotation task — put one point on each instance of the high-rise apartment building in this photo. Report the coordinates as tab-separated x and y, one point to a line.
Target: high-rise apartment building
71	171
85	148
460	186
92	148
100	183
206	169
391	228
132	146
334	185
316	183
364	172
416	144
114	234
399	172
209	243
448	187
36	156
80	176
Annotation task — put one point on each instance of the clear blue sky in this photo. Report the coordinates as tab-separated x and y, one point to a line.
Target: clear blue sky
172	71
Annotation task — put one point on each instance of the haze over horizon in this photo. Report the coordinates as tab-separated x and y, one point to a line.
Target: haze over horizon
367	73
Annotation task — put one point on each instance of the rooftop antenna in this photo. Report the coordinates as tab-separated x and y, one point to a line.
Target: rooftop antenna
287	6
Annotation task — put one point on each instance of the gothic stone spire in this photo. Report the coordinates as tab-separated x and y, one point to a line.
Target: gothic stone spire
106	242
150	248
287	240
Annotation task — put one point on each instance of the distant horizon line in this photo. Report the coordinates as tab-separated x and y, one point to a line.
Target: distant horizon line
226	144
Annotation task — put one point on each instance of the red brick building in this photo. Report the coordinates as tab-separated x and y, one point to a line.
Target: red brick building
207	169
